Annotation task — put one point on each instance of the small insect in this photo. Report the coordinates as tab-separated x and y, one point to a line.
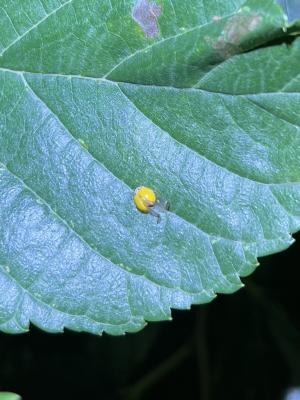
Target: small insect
146	201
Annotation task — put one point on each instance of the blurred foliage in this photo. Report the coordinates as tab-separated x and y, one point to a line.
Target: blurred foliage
291	8
242	346
9	396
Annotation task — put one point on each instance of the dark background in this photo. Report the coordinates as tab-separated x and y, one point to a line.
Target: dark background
240	346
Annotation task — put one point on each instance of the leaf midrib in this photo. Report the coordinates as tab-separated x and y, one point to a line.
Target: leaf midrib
115	83
155	124
92	78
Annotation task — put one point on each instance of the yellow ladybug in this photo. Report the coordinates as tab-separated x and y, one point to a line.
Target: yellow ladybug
146	200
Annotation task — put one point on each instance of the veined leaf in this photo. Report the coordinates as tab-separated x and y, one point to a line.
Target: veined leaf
99	97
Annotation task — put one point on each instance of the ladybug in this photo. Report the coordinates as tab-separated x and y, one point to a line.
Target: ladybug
146	201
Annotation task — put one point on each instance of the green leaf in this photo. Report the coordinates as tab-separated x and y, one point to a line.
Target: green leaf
99	97
9	396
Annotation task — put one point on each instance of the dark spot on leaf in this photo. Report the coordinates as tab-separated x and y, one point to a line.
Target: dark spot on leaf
236	31
145	14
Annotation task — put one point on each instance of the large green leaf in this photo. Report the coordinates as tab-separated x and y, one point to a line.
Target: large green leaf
98	97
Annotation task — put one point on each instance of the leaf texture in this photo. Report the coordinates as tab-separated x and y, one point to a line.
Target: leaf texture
99	97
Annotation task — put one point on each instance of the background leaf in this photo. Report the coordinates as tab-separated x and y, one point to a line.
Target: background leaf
291	8
94	104
9	396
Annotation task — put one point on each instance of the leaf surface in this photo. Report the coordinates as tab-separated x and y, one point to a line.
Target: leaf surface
99	97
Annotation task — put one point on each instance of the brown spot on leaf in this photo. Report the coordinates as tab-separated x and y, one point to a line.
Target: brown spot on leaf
145	14
235	33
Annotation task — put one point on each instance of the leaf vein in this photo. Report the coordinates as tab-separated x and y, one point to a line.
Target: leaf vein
271	113
158	43
34	27
198	154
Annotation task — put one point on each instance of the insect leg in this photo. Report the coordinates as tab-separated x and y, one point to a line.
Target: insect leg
155	214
